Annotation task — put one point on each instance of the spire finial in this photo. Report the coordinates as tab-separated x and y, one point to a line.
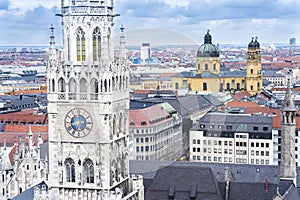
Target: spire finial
122	28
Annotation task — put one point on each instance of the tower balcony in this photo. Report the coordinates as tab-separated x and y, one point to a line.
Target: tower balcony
89	97
92	10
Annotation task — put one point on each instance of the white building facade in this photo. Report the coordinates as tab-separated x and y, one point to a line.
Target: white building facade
232	138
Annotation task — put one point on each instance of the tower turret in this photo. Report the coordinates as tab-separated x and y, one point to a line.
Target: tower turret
288	125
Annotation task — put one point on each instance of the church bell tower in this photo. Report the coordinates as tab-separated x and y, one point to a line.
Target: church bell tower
88	103
253	73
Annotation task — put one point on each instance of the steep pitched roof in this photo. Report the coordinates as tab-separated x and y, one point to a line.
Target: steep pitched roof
184	182
147	116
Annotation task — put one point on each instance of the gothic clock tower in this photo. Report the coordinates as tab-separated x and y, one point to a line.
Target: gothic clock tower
88	105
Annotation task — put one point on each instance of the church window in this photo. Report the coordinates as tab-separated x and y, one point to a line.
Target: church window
251	87
251	71
105	86
80	44
68	49
72	85
238	86
243	84
206	67
88	171
258	86
232	83
199	67
61	85
96	44
70	170
227	86
204	86
83	85
215	66
53	85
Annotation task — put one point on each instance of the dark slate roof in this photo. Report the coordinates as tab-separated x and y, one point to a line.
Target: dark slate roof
29	193
183	105
238	122
183	182
245	191
233	73
246	181
192	74
273	73
137	104
238	172
193	103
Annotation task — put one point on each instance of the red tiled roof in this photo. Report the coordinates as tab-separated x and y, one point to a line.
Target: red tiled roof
241	104
240	95
260	109
14	128
26	117
150	114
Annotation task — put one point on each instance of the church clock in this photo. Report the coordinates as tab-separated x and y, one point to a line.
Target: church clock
78	122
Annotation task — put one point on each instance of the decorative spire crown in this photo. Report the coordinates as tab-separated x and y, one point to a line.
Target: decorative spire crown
288	103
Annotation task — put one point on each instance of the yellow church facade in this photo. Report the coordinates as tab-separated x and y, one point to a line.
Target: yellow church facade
208	76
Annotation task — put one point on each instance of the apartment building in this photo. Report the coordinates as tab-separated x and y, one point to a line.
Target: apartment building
155	133
232	138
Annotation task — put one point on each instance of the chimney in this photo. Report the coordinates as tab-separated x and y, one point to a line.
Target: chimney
267	185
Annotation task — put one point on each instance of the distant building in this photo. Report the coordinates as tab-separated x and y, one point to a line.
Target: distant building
155	133
208	76
145	53
276	77
293	42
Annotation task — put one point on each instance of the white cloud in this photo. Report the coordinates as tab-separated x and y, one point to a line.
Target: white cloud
173	3
22	6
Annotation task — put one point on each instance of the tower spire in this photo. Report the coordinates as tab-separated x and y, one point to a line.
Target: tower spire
52	49
288	120
122	44
288	103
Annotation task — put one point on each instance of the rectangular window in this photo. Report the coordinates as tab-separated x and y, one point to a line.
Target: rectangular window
265	128
255	128
206	67
198	141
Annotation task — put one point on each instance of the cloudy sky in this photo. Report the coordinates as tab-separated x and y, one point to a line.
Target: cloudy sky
27	22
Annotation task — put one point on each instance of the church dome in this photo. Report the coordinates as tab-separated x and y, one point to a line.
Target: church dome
208	49
254	43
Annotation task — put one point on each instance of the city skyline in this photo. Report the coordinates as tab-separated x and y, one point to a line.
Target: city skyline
230	21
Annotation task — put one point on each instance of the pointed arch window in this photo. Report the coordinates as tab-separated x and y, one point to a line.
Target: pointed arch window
96	44
70	170
88	171
80	44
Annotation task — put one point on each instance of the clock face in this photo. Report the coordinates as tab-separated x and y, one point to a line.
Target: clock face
78	122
